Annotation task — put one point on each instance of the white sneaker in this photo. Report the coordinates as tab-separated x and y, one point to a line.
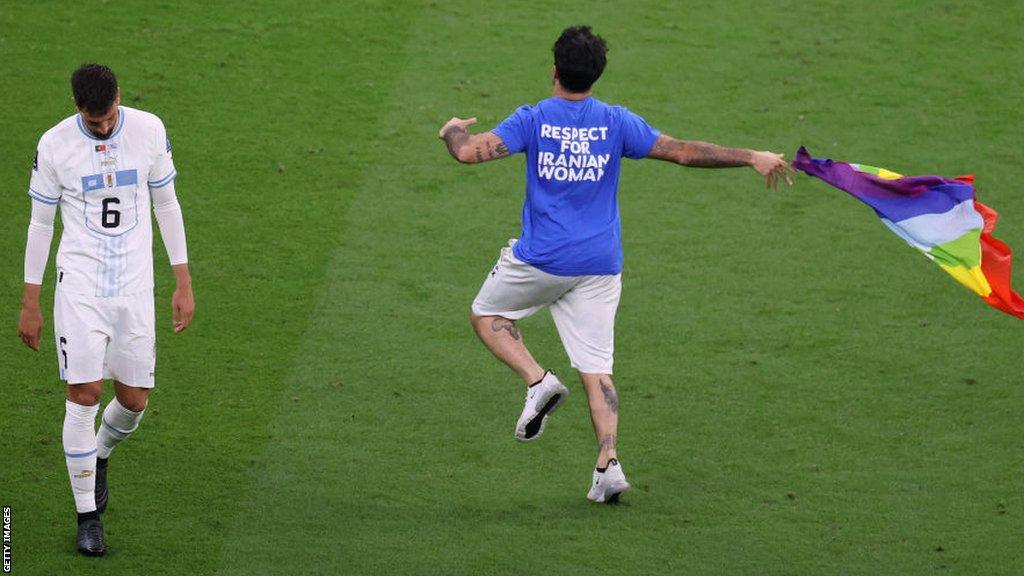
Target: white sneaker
608	485
542	400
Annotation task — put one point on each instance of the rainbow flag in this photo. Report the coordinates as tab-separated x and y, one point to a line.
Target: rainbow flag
938	216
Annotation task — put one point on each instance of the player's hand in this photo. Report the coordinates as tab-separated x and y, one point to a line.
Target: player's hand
457	122
773	167
183	305
30	327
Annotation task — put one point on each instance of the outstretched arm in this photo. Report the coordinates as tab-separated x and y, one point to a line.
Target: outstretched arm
707	155
471	148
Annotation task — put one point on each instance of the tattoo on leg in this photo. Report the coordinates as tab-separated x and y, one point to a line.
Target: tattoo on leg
607	442
499	324
610	398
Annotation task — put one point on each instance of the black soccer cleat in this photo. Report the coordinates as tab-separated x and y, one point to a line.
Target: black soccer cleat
90	537
101	485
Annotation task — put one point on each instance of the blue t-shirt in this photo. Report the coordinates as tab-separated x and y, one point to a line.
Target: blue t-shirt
573	152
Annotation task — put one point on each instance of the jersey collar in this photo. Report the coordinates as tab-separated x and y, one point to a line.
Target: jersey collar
117	129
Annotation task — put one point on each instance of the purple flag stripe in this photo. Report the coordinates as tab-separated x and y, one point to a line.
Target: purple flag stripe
892	199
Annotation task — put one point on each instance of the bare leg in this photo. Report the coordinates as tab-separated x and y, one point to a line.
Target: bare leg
502	338
134	399
604	413
87	394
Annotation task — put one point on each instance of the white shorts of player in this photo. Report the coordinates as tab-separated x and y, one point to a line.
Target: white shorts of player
105	338
583	307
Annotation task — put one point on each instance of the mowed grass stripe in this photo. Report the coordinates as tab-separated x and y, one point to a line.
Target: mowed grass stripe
277	529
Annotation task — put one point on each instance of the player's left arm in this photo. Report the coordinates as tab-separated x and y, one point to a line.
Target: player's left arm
471	148
707	155
172	230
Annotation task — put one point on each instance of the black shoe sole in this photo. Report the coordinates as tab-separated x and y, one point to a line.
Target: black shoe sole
534	426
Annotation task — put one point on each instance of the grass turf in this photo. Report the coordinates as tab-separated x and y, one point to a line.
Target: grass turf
801	393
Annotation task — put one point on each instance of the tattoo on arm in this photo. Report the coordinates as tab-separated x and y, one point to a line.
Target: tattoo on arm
699	154
499	324
708	155
664	147
474	148
455	137
610	398
490	147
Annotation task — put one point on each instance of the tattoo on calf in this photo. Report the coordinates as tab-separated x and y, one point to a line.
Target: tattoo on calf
607	442
499	324
610	398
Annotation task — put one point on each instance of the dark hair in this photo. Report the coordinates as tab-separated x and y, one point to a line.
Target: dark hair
579	58
94	87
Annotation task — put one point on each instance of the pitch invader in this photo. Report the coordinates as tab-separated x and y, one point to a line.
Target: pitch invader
569	256
102	166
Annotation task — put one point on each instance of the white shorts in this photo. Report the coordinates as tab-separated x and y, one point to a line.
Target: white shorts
583	307
105	338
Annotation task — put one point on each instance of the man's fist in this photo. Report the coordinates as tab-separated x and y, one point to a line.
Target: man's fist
456	122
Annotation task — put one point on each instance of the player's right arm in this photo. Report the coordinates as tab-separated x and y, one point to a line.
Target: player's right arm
707	155
45	191
471	148
37	252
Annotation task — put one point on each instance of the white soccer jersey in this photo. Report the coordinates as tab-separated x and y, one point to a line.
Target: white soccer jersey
103	187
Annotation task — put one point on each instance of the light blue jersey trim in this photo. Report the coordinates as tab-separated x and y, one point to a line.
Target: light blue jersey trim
164	181
42	198
117	129
84	455
119	433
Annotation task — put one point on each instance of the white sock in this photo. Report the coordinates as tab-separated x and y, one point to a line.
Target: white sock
117	424
80	453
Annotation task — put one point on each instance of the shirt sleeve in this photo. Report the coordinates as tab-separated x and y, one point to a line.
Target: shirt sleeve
638	137
162	173
171	223
37	245
514	131
44	185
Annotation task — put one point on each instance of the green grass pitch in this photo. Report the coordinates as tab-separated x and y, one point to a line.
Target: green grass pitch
802	394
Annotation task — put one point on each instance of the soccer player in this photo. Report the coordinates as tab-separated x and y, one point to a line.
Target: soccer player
102	166
569	255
